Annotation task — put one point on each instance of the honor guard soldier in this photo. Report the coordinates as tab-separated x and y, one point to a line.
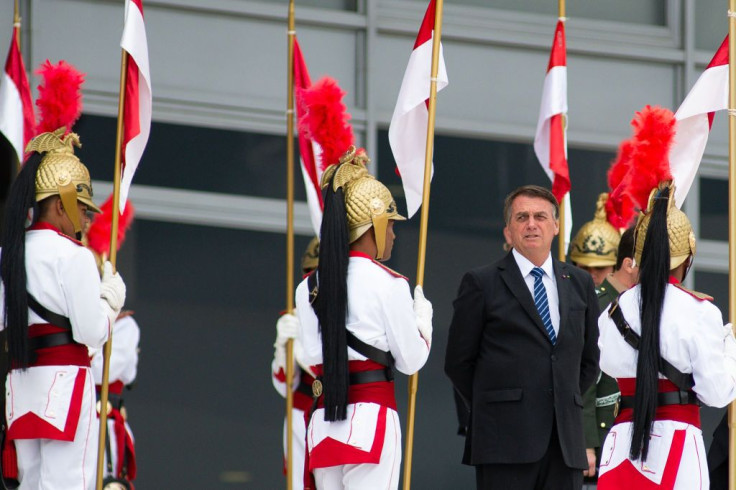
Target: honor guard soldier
358	323
287	328
120	464
594	249
54	306
667	346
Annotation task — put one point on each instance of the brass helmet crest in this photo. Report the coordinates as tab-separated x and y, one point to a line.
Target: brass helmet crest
62	173
368	202
679	229
596	243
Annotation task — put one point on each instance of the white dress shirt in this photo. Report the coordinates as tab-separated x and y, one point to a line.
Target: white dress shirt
549	282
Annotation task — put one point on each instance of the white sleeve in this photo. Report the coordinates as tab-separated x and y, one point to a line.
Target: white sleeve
309	335
713	357
409	349
81	287
124	358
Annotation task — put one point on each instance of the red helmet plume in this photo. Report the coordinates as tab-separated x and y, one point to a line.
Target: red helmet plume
59	96
100	231
642	163
326	119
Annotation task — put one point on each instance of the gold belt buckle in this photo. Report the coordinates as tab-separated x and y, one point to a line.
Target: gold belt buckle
99	406
316	388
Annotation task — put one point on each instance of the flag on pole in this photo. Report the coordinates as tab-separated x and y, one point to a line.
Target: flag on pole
17	121
138	99
309	150
694	120
550	143
407	132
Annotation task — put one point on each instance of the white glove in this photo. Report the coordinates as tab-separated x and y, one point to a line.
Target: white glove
287	327
423	312
112	289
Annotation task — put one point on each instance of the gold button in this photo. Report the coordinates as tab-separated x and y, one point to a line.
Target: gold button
603	425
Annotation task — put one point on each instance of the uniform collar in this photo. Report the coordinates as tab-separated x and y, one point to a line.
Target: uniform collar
43	225
526	266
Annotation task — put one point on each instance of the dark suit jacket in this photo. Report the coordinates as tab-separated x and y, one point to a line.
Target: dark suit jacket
516	383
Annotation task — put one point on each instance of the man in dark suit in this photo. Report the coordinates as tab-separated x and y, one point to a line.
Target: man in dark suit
522	349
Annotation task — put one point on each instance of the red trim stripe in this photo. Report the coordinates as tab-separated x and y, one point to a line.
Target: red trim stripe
425	30
302	81
558	55
557	157
131	110
719	59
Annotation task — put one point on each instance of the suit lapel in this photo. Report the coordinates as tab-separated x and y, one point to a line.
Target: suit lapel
511	275
562	276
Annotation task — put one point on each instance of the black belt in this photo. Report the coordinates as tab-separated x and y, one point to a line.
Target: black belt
666	398
373	376
51	340
304	388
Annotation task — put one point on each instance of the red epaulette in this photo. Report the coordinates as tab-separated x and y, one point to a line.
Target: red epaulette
694	294
389	270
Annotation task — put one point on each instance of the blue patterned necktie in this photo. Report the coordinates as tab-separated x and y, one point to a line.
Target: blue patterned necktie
540	301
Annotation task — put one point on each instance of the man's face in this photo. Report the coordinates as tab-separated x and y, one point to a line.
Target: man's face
532	227
390	237
598	274
67	227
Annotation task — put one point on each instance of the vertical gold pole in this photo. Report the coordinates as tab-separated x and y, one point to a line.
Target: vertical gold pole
16	33
16	23
290	241
422	254
113	260
561	237
732	217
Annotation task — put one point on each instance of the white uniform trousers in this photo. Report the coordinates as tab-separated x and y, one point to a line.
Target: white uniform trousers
367	476
299	438
47	464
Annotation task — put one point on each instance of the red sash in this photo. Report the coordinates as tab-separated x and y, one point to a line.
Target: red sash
689	414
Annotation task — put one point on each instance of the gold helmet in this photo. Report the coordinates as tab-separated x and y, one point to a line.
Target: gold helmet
310	259
368	202
596	243
679	229
62	173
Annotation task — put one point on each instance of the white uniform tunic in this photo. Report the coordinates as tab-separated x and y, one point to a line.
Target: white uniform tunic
381	314
50	409
694	340
123	370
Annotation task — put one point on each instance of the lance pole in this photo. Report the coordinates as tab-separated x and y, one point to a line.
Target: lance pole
16	22
732	217
289	240
424	220
16	33
104	393
561	237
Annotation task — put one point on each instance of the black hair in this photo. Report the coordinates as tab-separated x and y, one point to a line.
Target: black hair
625	247
22	198
654	276
331	303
